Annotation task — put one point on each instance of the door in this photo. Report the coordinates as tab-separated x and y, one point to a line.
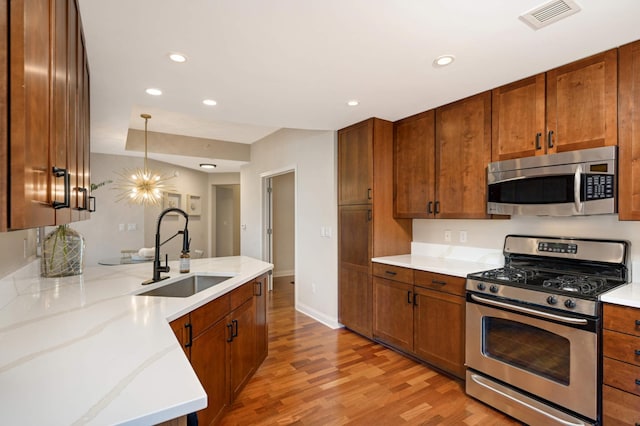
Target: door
393	313
355	164
439	329
582	107
518	119
209	352
463	150
354	280
554	361
414	163
242	346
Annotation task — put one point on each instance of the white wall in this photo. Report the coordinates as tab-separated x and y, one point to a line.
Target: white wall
491	233
312	154
102	232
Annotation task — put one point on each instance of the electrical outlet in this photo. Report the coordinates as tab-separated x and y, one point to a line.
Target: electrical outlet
463	236
121	227
313	288
447	236
131	227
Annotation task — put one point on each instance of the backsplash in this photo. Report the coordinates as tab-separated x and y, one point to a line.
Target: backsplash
18	248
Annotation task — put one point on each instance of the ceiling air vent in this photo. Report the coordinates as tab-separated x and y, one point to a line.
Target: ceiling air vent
549	13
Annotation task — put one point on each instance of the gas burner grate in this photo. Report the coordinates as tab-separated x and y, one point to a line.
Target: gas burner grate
509	273
575	284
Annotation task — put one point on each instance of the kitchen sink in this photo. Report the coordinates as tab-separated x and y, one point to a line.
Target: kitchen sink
187	286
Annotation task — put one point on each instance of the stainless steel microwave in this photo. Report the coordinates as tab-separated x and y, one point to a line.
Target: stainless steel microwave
573	183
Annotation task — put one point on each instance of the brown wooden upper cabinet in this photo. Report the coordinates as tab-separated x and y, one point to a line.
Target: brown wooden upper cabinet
568	108
48	114
629	128
355	163
440	161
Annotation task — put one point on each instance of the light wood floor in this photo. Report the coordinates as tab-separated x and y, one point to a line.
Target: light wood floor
314	375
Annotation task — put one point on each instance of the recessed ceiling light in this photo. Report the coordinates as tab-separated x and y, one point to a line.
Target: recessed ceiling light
154	92
177	57
353	102
209	102
443	61
208	165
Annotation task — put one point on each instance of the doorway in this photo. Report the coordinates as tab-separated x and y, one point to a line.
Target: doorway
280	219
225	217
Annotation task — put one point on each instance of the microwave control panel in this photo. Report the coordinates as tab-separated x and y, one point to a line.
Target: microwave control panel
598	187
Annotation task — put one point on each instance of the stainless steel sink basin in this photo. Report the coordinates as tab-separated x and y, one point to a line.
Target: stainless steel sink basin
187	286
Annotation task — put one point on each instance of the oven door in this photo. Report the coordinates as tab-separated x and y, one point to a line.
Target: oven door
551	356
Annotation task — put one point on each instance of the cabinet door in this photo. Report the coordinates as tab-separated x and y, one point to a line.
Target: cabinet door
582	103
393	312
354	279
619	408
518	119
209	355
181	328
355	163
242	356
439	330
463	150
31	192
413	165
629	128
262	332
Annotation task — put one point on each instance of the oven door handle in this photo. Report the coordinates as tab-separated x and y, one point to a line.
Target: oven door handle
576	189
479	381
568	320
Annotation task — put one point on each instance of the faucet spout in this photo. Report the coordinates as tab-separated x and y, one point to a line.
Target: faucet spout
157	266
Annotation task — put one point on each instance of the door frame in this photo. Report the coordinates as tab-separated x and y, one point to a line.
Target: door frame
267	219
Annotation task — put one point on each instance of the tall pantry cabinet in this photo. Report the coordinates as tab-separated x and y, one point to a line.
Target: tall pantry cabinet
44	105
366	227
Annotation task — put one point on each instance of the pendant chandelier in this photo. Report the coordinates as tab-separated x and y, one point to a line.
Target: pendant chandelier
143	186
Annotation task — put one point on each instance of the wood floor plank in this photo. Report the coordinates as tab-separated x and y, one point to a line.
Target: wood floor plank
314	375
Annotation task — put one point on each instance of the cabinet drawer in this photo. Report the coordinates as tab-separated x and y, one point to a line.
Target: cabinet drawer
622	376
396	273
622	347
622	318
619	408
207	315
241	295
440	282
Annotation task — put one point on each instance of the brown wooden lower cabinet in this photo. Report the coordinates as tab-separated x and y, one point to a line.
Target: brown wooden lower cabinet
420	313
225	342
619	407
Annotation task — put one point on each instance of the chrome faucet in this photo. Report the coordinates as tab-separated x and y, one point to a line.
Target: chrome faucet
157	267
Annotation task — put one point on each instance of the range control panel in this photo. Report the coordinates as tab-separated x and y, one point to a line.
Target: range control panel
550	247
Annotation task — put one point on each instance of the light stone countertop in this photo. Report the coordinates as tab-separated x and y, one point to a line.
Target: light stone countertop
85	350
457	261
626	295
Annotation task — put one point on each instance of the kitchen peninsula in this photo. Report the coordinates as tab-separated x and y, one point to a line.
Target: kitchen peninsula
87	350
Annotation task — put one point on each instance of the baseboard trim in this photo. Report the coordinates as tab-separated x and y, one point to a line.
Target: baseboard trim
277	274
318	316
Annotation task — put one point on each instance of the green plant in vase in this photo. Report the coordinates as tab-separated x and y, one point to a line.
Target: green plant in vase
63	249
62	253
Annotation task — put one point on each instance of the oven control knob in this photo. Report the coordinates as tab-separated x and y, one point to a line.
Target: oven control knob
570	303
494	288
552	300
481	286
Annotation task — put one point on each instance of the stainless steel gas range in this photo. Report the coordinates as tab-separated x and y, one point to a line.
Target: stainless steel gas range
533	328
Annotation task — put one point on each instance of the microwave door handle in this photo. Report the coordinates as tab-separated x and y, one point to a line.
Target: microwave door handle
576	189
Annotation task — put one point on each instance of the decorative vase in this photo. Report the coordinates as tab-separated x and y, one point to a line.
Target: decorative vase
62	253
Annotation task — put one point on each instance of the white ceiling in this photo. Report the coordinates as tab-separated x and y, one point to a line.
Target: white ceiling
274	64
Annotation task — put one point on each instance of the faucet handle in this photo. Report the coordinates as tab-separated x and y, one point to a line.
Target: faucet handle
166	267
